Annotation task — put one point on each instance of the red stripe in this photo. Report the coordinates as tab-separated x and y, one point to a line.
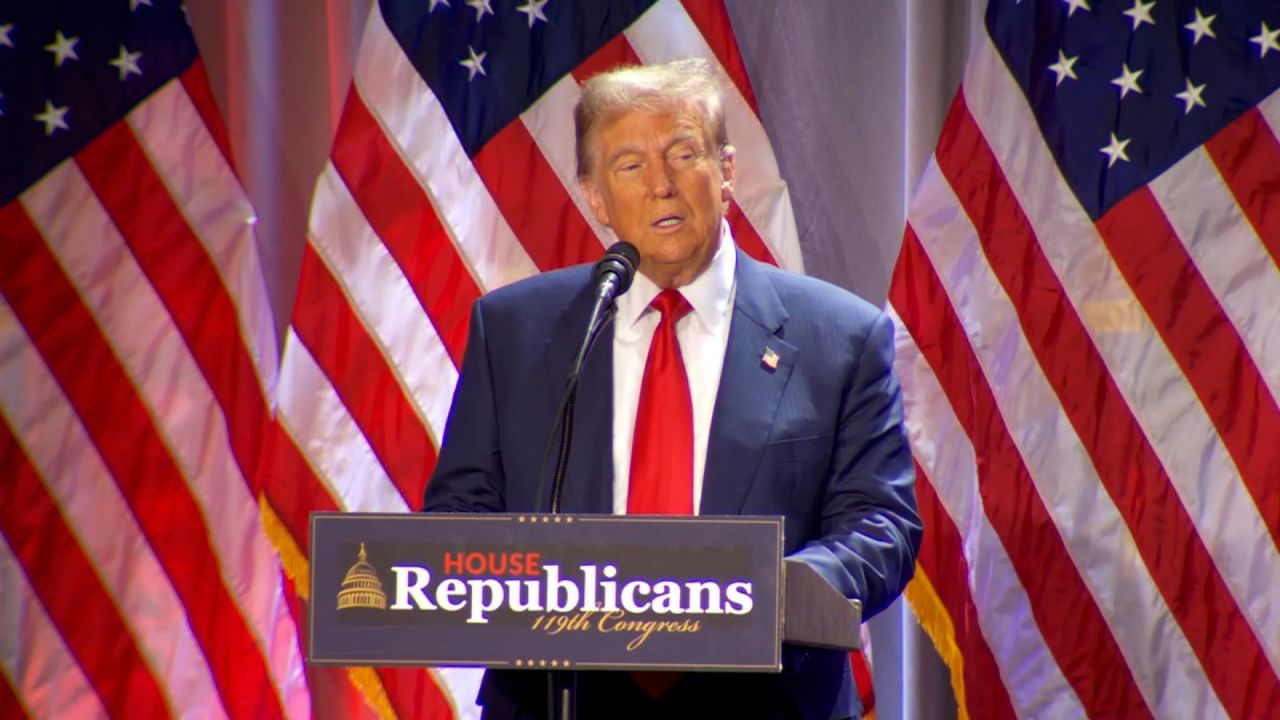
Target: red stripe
942	559
745	235
1073	627
1248	156
534	201
402	216
1205	345
68	587
1127	465
862	681
191	288
66	335
196	82
340	344
10	706
610	55
414	694
713	22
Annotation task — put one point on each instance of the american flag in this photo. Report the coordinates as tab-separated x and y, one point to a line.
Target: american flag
137	356
1090	353
453	174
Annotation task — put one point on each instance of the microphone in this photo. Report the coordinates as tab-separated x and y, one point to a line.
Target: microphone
611	277
615	271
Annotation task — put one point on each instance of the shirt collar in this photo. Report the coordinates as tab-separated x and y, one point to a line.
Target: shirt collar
709	294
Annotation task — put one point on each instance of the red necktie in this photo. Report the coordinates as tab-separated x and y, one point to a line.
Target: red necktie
662	450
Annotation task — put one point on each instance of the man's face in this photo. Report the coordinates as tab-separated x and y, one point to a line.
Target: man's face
659	184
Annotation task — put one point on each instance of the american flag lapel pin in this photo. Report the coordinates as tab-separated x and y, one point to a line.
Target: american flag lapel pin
770	359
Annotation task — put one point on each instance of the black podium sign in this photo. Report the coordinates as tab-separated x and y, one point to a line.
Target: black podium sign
546	591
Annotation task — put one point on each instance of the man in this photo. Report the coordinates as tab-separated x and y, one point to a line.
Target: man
790	405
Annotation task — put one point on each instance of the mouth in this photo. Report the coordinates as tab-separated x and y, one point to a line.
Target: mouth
668	222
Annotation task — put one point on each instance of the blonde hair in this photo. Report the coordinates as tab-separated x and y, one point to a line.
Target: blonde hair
679	83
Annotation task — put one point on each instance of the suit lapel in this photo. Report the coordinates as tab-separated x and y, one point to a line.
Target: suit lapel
757	363
589	481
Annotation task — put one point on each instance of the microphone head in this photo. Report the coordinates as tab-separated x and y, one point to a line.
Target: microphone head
621	260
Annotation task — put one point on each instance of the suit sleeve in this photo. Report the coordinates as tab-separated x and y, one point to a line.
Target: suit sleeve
870	530
468	476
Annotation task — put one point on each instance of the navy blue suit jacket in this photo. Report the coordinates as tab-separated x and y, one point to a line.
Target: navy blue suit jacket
818	439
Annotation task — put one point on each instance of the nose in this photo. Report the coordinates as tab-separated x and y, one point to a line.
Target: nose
659	178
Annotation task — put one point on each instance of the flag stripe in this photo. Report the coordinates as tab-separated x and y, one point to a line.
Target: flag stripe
122	430
616	51
381	297
417	126
1187	315
941	446
534	201
1084	648
34	658
545	122
951	580
394	204
713	23
190	289
63	455
203	187
313	415
1231	260
196	83
69	589
10	705
359	375
1247	154
1125	463
416	693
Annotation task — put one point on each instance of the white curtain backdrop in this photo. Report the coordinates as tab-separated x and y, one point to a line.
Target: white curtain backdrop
852	93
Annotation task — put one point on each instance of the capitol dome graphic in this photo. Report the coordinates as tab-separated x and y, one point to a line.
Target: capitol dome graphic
362	588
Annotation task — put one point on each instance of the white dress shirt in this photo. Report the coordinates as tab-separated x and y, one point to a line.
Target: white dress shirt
703	336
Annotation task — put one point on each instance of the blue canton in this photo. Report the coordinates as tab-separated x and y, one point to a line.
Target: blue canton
489	60
72	68
1122	90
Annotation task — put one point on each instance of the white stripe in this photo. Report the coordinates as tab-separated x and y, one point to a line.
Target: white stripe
416	124
1228	254
666	32
1028	669
182	409
177	142
1270	109
42	671
1165	669
1246	284
381	297
314	416
549	122
85	493
1166	407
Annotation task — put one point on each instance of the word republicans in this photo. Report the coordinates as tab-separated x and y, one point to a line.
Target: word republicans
596	589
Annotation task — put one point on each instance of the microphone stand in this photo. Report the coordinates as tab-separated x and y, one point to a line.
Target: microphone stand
562	685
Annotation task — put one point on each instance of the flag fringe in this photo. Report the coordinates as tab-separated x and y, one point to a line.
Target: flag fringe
295	565
933	617
291	557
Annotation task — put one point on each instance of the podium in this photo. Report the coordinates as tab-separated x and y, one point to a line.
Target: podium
565	592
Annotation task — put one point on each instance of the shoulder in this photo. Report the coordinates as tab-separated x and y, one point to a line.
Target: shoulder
813	300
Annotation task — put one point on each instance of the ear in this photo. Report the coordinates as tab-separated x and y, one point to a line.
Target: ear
595	199
726	172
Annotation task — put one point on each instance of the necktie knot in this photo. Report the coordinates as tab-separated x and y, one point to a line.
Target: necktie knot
671	304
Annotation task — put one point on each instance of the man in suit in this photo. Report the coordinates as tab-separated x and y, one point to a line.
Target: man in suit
790	405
